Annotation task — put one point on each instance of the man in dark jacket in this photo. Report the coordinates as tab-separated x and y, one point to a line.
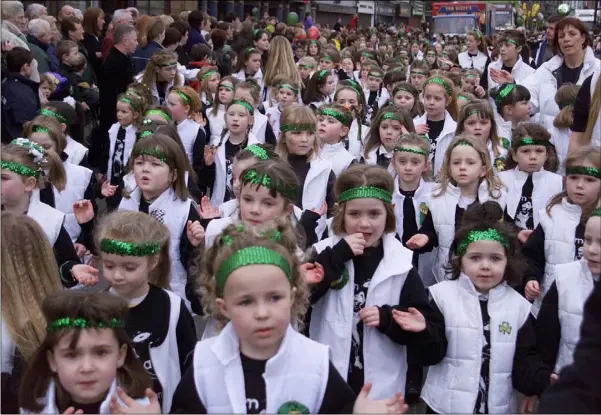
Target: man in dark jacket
39	37
195	19
20	95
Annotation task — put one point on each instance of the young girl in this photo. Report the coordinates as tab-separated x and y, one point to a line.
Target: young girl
160	75
476	55
261	128
418	73
249	66
287	95
478	309
515	57
406	97
67	118
134	251
306	67
314	49
529	176
208	78
159	167
29	274
367	272
84	332
561	130
215	115
470	82
466	176
253	282
23	166
159	114
350	95
280	62
559	237
478	121
464	98
373	92
513	106
320	87
272	97
385	130
330	61
183	102
438	121
333	123
48	84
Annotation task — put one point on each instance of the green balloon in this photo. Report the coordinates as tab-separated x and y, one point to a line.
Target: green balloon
292	19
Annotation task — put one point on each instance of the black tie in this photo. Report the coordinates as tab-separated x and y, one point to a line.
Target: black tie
523	216
409	224
118	157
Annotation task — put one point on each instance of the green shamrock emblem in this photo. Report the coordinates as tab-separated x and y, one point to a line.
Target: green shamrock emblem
293	407
340	282
505	328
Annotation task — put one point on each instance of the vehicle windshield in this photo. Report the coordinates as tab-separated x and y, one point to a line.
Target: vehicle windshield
458	25
503	19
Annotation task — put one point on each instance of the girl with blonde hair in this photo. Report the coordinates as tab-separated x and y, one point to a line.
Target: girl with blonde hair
562	124
183	102
280	62
161	72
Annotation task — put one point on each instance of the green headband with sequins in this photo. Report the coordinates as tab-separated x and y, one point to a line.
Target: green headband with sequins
160	113
183	96
252	177
243	103
258	152
331	112
253	255
390	116
143	134
54	115
305	65
412	150
19	168
596	213
367	55
440	82
209	74
365	192
167	64
82	323
511	41
463	143
584	171
289	87
126	100
251	50
121	248
226	86
472	112
503	93
326	58
481	235
153	152
39	129
375	75
529	141
284	128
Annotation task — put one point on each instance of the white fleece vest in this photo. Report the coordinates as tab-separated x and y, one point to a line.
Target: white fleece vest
574	285
188	131
520	71
560	138
332	319
297	373
130	141
216	123
259	128
315	189
560	231
8	349
78	179
356	142
452	385
546	185
76	151
338	156
273	114
444	139
50	219
467	62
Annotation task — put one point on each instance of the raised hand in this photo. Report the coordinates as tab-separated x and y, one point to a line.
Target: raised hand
312	272
524	234
370	316
83	211
422	129
206	210
417	241
394	405
501	77
356	242
107	189
195	232
198	119
411	320
85	274
532	290
479	91
209	155
130	406
322	209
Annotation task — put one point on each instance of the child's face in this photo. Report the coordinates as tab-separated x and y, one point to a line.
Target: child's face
478	127
71	57
472	43
484	263
326	64
328	88
263	42
299	143
254	63
466	166
286	97
435	99
213	82
431	57
257	205
367	217
530	159
417	80
153	176
128	275
364	72
347	98
404	100
300	52
226	93
509	52
46	89
414	49
125	115
468	83
347	65
390	131
592	244
520	111
313	49
44	140
14	187
583	190
245	95
329	129
166	74
238	166
438	48
409	166
374	83
237	119
305	71
87	371
179	111
257	299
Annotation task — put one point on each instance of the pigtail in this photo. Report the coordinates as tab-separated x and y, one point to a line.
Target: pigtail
565	99
56	172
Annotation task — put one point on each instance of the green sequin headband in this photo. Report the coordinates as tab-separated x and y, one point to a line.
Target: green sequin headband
412	150
481	235
126	100
253	255
82	323
160	113
252	177
144	134
39	129
313	42
290	87
284	128
464	98
153	152
257	151
390	116
167	64
305	66
478	34
226	86
375	75
209	74
529	141
331	112
439	82
54	115
416	72
463	143
470	76
504	92
326	58
243	103
19	168
34	150
255	34
365	192
511	41
112	246
367	55
183	96
472	112
585	171
321	74
596	213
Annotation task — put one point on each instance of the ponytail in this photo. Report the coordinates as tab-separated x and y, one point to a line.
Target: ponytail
56	172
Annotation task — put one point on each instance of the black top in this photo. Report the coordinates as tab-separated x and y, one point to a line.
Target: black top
569	75
116	74
581	106
435	128
428	229
231	150
548	328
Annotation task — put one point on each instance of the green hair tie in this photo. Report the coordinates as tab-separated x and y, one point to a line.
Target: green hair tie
529	141
39	129
258	152
290	87
209	74
251	50
82	323
252	177
365	192
463	143
596	213
153	152
584	171
297	127
326	58
54	115
503	93
226	86
440	82
253	255
412	150
126	100
144	134
160	113
321	74
121	248
478	34
167	64
243	103
481	235
331	112
390	116
19	168
183	96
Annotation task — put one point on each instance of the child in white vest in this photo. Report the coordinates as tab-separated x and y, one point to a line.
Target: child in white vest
159	166
561	313
159	114
287	95
320	87
23	166
67	117
183	102
258	363
249	66
86	331
466	177
261	128
559	237
486	343
367	272
350	95
333	124
209	80
529	177
135	257
215	114
512	104
565	97
406	97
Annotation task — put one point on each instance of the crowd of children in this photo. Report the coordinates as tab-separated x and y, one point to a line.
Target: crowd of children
360	229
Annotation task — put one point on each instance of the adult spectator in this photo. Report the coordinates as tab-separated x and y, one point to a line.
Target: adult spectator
221	58
546	50
93	22
14	23
586	128
120	17
195	20
65	12
35	11
154	35
71	29
116	74
54	39
39	38
338	25
353	23
227	28
233	19
184	29
134	13
172	39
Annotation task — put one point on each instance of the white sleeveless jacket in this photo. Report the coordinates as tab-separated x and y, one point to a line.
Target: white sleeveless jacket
444	139
188	131
50	219
76	151
332	319
216	123
315	189
467	62
452	385
78	180
297	373
356	143
338	156
260	127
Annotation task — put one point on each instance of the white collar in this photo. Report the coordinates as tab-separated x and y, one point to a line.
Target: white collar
333	148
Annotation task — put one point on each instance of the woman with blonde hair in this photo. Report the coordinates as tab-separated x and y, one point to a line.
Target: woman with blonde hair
280	62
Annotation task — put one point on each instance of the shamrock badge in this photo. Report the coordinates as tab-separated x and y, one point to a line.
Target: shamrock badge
340	282
293	407
500	164
423	211
506	143
505	328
